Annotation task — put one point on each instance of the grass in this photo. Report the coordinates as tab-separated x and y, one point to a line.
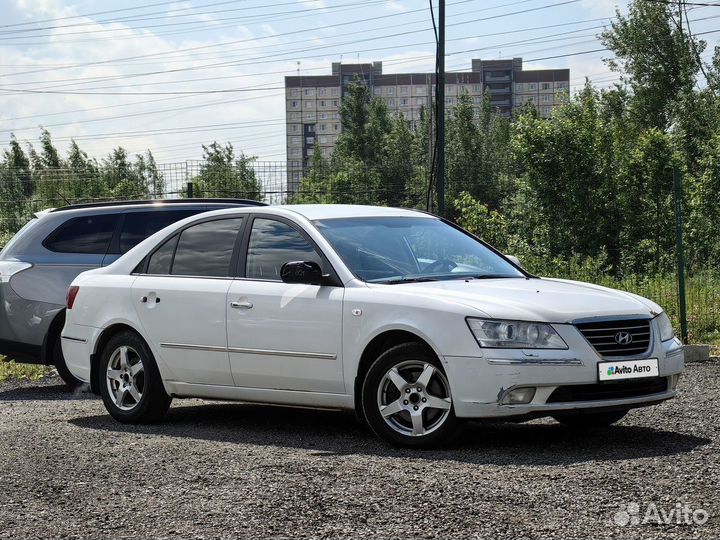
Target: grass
10	370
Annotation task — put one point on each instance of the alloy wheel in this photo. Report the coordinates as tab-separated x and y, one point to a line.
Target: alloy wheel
125	376
414	398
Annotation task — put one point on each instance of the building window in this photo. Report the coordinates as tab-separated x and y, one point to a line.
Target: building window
308	104
295	116
295	92
477	100
391	91
323	139
335	103
419	101
323	127
294	103
477	88
336	116
562	85
532	86
336	127
323	103
449	88
546	111
311	128
322	116
529	99
308	92
335	92
294	151
391	102
420	91
321	92
294	128
377	91
310	151
546	98
294	140
403	90
546	86
309	116
325	152
403	102
309	140
449	100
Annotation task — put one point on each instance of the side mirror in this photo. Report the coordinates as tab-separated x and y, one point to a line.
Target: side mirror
306	272
514	259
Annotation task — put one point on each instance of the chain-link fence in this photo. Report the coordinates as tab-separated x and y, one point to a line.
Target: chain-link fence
23	192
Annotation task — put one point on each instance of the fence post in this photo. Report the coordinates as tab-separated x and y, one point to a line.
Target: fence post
680	254
189	190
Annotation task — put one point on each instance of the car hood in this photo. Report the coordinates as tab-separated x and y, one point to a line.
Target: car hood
546	300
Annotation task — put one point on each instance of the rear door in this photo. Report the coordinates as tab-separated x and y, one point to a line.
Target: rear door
180	300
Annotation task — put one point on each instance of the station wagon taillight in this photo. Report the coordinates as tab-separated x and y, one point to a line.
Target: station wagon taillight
71	294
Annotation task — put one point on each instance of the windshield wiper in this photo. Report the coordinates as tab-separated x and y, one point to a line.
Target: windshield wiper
492	276
407	279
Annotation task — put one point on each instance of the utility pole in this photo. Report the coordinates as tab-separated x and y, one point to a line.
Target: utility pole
441	110
677	182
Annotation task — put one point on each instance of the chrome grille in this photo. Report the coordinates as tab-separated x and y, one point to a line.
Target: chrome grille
610	338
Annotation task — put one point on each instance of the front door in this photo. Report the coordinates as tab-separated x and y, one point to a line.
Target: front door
283	336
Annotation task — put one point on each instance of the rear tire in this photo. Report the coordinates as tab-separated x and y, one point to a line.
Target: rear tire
590	420
129	381
406	398
61	367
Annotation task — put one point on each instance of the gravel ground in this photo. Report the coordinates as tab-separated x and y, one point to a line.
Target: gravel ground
213	470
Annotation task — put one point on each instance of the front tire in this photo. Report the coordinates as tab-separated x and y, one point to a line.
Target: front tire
590	420
406	398
129	381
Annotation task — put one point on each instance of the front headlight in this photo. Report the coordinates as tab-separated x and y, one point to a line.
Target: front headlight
665	326
515	334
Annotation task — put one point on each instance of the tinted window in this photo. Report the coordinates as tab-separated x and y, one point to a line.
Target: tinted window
139	225
89	234
272	244
161	260
206	249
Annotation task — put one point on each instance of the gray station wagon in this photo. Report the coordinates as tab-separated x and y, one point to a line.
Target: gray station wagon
38	264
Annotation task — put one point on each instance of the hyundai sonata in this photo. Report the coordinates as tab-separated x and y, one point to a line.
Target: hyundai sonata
399	315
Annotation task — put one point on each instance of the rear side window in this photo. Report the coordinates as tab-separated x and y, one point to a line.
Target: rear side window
139	225
206	249
161	260
88	234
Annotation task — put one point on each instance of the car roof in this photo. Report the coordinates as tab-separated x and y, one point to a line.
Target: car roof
153	203
333	211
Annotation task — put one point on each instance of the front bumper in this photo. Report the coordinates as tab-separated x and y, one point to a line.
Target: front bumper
480	383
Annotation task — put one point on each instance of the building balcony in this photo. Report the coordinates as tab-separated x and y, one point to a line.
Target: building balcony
490	78
503	90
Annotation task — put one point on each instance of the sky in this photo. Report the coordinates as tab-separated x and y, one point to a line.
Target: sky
170	76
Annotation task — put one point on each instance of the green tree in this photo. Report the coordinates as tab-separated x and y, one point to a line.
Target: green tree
224	175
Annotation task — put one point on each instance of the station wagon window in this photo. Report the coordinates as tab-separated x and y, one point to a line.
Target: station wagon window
87	234
140	225
272	244
206	249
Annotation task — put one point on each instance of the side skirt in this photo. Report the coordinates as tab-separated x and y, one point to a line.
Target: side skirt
260	395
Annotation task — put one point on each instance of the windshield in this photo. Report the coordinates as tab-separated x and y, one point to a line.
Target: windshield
403	249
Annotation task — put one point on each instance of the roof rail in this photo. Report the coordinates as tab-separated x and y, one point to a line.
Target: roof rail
239	202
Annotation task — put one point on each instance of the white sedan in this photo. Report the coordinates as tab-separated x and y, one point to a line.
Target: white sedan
401	316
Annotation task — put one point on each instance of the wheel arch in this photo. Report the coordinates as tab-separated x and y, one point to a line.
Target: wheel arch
375	347
105	336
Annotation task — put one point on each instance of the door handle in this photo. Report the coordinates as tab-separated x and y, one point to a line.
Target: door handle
241	304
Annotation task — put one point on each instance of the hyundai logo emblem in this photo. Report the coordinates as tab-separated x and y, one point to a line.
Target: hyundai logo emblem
623	338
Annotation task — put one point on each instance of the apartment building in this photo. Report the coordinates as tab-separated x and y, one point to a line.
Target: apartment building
312	106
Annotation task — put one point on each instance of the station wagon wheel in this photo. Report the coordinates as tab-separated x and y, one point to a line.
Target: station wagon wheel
125	377
129	380
407	398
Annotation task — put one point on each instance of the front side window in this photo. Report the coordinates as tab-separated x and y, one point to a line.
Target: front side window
206	249
394	249
272	244
88	234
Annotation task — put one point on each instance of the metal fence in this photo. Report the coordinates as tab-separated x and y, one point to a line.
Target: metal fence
24	192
